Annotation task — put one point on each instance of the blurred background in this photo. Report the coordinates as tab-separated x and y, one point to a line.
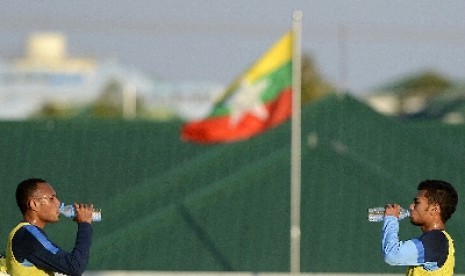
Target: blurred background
177	55
93	94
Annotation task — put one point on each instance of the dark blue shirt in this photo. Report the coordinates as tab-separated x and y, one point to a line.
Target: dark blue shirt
31	246
436	246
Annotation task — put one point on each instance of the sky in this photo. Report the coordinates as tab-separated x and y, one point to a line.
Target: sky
356	45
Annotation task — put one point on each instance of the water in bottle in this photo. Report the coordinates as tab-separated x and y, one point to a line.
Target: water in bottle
69	212
376	214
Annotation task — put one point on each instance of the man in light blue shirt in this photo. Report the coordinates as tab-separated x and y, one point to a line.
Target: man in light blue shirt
433	251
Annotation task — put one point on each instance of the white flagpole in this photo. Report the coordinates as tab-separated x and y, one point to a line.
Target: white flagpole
296	144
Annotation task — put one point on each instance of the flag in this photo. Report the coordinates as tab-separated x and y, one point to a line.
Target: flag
256	101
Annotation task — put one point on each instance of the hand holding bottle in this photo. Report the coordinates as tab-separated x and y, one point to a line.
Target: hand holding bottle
392	210
83	212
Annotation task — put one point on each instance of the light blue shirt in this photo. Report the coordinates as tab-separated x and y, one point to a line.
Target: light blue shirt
402	253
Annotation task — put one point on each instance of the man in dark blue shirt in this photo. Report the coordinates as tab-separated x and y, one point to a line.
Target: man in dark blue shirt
29	251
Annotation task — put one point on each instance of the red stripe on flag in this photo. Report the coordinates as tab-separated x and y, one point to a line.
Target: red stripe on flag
218	129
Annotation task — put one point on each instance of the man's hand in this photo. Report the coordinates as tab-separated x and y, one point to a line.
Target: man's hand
392	210
83	212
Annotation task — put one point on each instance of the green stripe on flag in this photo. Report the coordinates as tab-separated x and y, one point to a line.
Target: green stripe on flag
279	80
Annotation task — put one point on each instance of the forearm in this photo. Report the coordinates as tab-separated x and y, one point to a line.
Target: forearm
396	252
79	256
70	263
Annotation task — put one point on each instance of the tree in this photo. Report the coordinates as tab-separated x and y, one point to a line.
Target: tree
110	102
313	85
418	90
108	105
56	110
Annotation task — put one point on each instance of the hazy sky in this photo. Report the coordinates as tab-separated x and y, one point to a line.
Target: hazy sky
357	44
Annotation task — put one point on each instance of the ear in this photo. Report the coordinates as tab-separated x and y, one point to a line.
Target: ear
33	205
436	208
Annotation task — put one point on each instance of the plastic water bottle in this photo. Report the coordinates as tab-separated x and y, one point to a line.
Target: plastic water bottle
376	214
69	212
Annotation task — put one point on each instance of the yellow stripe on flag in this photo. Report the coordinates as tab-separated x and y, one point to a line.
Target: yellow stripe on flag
279	54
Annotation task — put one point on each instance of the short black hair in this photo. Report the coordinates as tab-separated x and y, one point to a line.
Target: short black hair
25	190
442	193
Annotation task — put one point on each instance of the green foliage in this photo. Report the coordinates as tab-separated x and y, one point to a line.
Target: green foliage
56	110
313	84
109	104
426	84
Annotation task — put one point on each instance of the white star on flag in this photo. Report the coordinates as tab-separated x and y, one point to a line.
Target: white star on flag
247	99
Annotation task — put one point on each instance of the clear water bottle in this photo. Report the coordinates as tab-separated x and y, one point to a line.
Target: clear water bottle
69	212
376	214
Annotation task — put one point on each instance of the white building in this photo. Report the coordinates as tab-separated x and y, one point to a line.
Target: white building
46	74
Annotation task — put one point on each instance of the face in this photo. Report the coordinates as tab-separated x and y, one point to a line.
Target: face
47	204
420	209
